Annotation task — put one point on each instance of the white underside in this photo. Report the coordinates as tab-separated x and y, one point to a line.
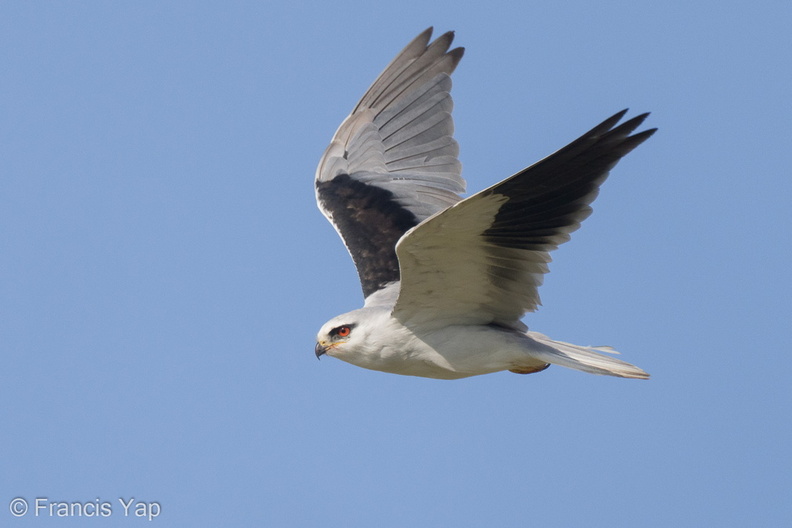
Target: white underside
458	351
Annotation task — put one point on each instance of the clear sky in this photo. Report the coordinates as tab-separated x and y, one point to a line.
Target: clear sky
164	269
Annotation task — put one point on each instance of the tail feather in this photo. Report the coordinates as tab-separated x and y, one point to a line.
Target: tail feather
587	359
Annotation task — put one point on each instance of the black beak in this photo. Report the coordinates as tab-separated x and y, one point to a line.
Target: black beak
320	350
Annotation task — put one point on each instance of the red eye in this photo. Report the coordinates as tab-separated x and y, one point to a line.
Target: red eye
343	331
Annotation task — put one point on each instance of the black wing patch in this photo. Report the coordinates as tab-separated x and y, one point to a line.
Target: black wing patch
549	199
370	221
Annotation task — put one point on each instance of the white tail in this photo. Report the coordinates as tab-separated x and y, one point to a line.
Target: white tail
587	359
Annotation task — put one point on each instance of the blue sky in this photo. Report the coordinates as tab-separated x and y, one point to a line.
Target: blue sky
164	269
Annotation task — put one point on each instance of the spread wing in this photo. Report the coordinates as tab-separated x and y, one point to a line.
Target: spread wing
482	260
393	161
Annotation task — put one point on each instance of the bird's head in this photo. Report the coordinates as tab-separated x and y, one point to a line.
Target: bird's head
339	335
358	337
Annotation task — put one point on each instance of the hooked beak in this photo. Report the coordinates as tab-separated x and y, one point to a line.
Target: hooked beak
320	350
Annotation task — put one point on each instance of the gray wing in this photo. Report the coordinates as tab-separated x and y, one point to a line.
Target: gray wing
482	260
393	161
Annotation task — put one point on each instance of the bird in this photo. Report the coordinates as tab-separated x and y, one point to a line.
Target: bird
446	280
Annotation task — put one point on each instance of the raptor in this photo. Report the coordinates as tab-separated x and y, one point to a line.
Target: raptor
447	280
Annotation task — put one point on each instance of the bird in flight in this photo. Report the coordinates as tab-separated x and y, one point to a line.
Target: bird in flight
446	279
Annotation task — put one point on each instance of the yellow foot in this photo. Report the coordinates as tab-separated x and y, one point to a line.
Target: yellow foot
529	370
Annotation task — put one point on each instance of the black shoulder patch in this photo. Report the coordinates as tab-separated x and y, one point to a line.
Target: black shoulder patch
370	222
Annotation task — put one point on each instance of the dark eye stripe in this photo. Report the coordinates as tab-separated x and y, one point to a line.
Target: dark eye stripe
342	331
